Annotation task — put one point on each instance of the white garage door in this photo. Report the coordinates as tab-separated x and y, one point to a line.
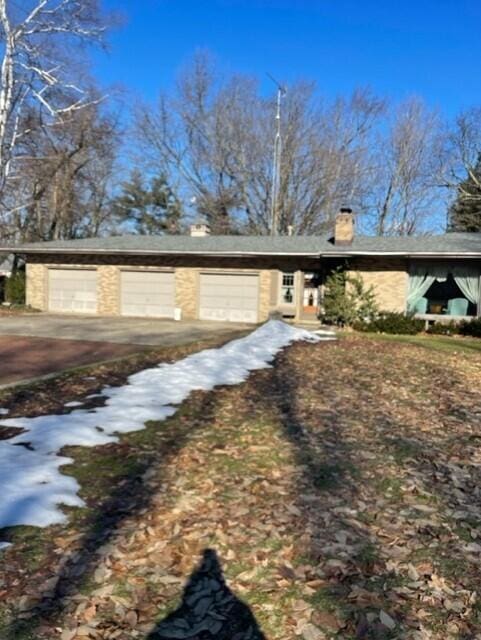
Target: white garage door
147	293
72	290
229	297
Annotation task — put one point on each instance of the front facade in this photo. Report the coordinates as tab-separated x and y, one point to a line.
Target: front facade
176	287
244	279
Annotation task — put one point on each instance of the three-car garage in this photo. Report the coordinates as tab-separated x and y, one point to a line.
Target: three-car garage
221	296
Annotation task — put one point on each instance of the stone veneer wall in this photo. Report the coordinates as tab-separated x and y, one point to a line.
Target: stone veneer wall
388	277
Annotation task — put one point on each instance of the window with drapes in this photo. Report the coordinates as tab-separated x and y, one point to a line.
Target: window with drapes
446	289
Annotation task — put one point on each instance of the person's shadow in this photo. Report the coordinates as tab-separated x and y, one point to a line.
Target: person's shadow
208	609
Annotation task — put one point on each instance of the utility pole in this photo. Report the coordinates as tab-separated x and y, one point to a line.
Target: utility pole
276	164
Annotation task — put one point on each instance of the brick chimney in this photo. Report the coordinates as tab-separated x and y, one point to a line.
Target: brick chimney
199	230
344	228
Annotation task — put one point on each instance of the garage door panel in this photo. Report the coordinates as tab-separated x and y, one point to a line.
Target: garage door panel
229	297
147	294
72	290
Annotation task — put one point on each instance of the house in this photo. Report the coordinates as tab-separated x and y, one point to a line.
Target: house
244	278
6	263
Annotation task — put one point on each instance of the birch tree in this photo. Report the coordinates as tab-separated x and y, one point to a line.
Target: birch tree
64	179
37	39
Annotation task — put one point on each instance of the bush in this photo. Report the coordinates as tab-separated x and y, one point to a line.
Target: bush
470	328
390	322
347	300
15	288
443	328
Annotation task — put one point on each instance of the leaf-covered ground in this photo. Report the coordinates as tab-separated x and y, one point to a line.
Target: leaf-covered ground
336	495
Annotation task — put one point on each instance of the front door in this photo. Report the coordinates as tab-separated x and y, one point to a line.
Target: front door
310	296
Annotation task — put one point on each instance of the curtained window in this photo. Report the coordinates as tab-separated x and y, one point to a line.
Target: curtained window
447	289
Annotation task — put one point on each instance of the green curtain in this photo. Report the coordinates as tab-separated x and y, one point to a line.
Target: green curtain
467	279
419	283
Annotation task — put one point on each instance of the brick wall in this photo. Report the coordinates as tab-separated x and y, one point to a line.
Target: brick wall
36	289
388	277
187	277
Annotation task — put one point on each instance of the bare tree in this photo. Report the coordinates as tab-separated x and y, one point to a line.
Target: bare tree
462	170
38	36
63	185
215	137
404	171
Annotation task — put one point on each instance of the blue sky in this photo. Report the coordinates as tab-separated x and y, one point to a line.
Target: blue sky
430	48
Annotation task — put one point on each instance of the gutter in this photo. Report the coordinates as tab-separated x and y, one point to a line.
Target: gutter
246	254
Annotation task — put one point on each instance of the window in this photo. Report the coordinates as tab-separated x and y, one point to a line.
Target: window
443	289
287	288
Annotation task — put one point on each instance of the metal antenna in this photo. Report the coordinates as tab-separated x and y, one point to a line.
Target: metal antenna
276	165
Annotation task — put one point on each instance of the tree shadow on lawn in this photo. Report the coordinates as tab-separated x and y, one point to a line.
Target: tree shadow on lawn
130	496
361	585
328	493
209	609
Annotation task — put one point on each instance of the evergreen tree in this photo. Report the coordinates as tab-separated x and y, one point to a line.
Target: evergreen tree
148	209
465	212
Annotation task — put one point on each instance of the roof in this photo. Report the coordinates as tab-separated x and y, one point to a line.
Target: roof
449	244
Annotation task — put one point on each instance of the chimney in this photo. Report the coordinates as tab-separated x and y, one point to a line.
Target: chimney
199	230
344	228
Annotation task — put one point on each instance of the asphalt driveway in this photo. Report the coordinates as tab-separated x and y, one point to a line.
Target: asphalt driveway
131	331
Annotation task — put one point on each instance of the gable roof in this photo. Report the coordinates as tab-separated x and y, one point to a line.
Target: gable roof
447	245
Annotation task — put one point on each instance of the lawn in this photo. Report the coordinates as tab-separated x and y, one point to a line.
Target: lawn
338	494
439	343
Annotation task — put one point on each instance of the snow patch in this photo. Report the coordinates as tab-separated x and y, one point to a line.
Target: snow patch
30	477
74	403
4	412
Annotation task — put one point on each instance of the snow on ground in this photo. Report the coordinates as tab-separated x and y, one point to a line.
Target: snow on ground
30	477
4	412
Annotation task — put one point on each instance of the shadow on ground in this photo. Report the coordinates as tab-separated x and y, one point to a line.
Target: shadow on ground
209	609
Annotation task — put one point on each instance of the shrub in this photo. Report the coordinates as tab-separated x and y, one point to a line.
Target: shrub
471	328
443	328
390	322
15	288
347	300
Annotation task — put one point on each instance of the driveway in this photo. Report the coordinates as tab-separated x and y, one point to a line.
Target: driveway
35	345
26	358
132	331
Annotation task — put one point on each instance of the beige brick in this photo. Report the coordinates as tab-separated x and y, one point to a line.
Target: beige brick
186	287
36	288
264	294
389	280
108	290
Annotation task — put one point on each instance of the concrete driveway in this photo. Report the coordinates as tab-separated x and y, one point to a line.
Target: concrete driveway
132	331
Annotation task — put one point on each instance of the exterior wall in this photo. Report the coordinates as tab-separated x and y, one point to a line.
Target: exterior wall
187	277
108	290
36	288
186	292
389	278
